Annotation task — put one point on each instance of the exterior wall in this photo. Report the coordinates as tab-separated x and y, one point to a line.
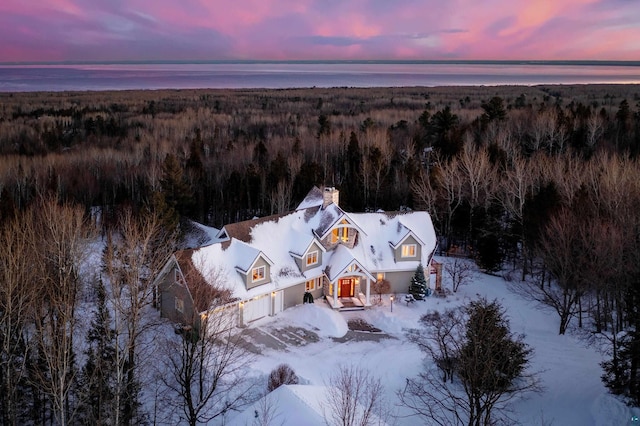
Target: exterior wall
267	274
352	235
397	253
169	290
302	263
400	280
293	295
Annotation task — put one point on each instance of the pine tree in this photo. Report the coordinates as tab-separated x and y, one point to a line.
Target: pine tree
97	374
418	287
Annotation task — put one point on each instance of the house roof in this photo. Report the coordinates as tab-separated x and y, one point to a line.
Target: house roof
292	405
282	238
314	198
203	293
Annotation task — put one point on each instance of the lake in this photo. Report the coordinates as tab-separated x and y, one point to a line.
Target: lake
277	75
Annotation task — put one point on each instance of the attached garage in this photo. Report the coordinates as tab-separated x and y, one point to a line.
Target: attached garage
256	308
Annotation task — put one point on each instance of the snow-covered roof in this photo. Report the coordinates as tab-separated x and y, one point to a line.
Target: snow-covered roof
291	405
283	238
313	199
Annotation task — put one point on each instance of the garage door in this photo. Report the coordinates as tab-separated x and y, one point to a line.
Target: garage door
256	308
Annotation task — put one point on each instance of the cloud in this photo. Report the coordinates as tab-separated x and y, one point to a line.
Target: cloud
315	29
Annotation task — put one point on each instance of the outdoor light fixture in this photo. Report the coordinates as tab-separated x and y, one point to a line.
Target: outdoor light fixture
391	297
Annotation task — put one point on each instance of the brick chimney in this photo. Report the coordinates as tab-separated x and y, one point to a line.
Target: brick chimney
330	195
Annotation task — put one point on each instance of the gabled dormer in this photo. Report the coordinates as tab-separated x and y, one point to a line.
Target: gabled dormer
308	254
342	230
252	264
407	248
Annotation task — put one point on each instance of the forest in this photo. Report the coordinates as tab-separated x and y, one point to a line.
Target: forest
540	184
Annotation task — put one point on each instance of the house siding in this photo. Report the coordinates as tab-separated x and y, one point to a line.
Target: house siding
302	263
400	280
267	274
397	253
169	290
293	295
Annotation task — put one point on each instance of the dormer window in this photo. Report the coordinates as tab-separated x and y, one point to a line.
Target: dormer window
408	250
257	274
340	234
312	258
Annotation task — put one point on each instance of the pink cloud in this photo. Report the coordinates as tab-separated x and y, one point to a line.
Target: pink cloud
318	29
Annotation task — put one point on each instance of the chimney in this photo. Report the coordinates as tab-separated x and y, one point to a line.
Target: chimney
330	195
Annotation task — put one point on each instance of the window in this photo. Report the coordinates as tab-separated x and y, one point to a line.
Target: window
258	273
180	305
380	276
408	250
312	258
341	233
310	285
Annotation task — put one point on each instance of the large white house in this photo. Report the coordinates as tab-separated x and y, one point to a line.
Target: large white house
267	265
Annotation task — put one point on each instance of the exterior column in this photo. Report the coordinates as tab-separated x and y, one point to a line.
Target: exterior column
335	294
368	292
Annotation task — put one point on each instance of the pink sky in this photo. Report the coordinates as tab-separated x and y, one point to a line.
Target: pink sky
113	30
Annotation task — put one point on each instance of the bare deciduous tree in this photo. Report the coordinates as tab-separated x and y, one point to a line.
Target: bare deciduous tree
62	238
381	287
207	368
561	252
281	375
354	398
132	259
17	295
460	271
208	362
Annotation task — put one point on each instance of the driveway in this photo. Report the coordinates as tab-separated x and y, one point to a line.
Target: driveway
277	337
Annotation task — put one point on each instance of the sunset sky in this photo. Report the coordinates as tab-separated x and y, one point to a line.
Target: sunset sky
130	30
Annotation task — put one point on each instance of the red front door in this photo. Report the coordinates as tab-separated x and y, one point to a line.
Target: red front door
346	287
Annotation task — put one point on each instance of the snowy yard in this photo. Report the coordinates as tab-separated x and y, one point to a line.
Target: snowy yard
568	369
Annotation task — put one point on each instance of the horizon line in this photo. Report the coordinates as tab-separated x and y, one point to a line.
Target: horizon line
594	62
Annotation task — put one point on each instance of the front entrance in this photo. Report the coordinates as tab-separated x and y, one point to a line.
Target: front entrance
346	287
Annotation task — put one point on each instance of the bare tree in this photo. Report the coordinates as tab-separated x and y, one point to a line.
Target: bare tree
281	375
207	362
354	398
132	259
514	190
460	271
62	236
207	368
381	287
560	249
267	413
478	177
17	295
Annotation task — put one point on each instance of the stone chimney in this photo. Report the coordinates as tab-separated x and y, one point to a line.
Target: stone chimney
330	195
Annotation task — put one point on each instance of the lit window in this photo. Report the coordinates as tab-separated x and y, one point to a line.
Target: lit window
258	273
310	285
341	233
380	276
312	258
179	305
408	250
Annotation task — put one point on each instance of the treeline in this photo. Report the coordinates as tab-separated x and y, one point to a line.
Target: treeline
542	181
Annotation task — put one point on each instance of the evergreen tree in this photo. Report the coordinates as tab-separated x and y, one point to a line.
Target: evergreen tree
418	287
97	381
176	190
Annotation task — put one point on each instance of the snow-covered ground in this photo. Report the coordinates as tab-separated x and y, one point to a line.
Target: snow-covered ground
568	369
